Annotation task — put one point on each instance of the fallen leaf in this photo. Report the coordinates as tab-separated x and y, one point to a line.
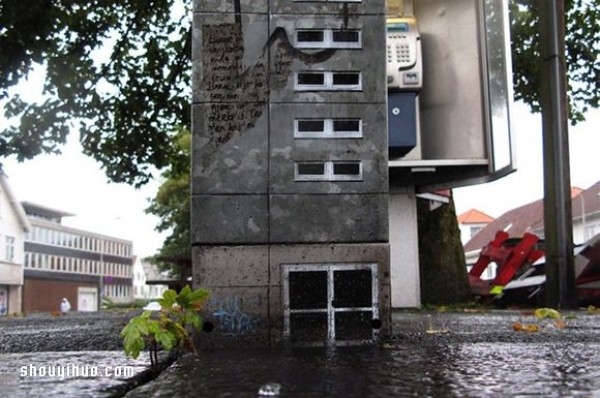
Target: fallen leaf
560	324
519	327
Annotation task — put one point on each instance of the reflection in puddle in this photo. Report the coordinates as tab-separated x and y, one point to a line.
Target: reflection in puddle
457	370
434	369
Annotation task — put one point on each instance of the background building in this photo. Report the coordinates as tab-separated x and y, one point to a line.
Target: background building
144	271
66	262
471	222
13	226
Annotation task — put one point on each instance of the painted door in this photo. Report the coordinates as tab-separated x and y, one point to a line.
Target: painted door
330	303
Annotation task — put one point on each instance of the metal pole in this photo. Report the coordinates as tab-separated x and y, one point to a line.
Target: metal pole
558	222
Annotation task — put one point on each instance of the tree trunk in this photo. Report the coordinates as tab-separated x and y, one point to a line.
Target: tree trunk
442	259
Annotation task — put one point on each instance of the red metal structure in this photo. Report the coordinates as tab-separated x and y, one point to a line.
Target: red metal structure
509	258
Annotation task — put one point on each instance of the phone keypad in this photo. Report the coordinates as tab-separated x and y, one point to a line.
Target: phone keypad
398	52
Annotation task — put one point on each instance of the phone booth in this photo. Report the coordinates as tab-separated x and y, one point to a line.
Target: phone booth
449	112
450	59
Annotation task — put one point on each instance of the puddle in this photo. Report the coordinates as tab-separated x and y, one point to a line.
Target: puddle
459	370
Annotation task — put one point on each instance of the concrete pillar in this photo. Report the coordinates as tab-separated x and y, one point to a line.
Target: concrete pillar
404	248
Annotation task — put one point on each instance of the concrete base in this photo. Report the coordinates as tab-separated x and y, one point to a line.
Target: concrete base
246	305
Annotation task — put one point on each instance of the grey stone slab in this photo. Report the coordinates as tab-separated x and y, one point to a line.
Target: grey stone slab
327	7
229	58
231	6
329	218
286	60
229	219
231	266
240	314
378	253
286	150
229	148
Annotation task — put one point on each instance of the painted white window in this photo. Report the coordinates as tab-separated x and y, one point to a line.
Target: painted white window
328	128
329	171
328	38
328	81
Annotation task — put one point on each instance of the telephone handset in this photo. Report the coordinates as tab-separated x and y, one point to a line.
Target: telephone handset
404	61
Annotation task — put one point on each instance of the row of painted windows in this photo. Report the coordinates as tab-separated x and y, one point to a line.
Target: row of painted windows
328	128
81	242
76	265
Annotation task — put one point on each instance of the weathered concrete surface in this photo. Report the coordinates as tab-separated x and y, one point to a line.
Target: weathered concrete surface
246	304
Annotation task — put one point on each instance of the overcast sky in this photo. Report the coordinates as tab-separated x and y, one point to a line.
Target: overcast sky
526	184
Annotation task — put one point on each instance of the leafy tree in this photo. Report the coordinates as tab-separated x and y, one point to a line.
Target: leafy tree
582	55
117	70
172	204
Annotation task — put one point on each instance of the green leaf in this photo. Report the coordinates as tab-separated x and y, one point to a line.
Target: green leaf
195	320
166	339
548	313
168	299
184	297
134	334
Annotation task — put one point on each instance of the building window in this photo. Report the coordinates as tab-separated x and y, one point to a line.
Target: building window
328	128
328	81
9	253
473	230
328	38
329	171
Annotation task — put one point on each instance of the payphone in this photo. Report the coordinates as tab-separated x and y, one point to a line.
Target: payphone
404	80
404	61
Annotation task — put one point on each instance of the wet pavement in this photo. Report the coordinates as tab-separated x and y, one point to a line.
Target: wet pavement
430	355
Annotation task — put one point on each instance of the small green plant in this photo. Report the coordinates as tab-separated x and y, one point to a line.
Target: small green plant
168	328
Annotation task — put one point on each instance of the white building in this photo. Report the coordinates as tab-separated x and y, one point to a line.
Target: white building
13	226
144	271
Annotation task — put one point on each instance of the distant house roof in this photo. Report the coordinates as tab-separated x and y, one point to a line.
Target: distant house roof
586	202
530	217
474	216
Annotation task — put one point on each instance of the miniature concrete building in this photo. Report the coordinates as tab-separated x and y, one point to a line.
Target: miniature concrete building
290	169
